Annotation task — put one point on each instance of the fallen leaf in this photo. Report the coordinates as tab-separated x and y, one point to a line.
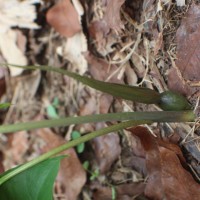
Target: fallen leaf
17	13
11	51
72	50
71	176
112	14
187	37
177	182
64	18
163	168
186	74
18	146
101	70
107	149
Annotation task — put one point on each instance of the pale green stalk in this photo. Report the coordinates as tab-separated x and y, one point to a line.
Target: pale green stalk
164	116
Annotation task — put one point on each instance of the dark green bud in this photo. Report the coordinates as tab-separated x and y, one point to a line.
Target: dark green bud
172	101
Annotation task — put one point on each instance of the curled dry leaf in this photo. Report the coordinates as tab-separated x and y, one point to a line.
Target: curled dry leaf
186	73
64	18
71	176
163	168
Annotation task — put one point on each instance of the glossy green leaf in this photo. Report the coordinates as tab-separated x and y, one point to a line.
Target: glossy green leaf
35	183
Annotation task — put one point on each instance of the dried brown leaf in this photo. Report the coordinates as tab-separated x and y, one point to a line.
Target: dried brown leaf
18	146
164	169
107	149
64	18
112	14
188	51
100	69
176	181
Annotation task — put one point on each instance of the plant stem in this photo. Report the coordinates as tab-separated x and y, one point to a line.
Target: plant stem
163	116
70	144
132	93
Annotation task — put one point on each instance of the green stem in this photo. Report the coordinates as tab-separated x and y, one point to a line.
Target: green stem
70	144
163	116
133	93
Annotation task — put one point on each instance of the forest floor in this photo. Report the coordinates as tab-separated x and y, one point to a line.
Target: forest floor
154	44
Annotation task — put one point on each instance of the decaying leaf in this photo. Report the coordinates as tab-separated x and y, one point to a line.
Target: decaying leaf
72	50
186	75
11	51
107	149
101	70
15	13
17	147
112	14
104	28
64	18
163	168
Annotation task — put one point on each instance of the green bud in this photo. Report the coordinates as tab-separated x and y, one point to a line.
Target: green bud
173	101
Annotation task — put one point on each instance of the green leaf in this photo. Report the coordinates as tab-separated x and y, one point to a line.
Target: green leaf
95	174
80	148
55	102
4	105
114	195
86	165
35	183
51	112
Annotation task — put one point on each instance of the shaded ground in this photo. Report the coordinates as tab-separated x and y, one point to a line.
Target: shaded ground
153	44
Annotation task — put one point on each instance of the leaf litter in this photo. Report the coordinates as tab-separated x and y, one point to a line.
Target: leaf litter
132	42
